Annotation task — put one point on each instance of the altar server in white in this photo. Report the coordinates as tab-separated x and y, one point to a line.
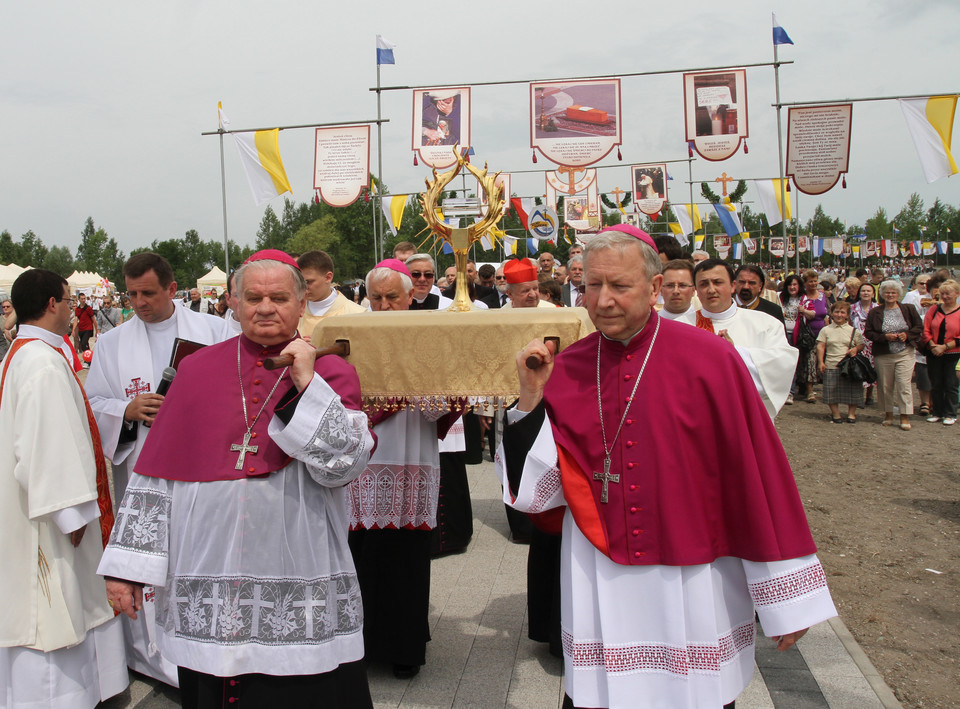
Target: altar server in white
60	645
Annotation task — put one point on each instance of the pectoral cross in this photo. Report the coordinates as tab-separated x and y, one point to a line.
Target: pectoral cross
243	448
607	478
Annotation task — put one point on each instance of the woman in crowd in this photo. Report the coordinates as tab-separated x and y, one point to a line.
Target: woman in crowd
813	308
894	330
858	318
828	284
919	299
851	290
125	308
550	290
941	336
836	341
790	294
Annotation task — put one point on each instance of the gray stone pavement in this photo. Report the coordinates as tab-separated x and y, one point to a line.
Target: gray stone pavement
480	655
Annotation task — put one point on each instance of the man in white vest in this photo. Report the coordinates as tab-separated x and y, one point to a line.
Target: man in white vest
122	386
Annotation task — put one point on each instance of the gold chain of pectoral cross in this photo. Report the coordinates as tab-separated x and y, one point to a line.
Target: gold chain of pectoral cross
245	447
606	477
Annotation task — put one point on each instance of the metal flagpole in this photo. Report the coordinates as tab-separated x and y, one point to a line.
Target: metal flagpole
223	190
783	184
693	224
377	199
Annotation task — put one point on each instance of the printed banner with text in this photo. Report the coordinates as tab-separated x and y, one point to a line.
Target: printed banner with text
575	123
715	112
341	163
818	146
649	187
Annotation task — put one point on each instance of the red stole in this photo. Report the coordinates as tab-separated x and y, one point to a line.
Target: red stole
103	486
702	471
704	323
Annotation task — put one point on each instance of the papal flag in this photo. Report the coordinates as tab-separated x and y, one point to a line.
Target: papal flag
770	194
688	217
928	248
930	121
392	207
260	155
677	230
956	247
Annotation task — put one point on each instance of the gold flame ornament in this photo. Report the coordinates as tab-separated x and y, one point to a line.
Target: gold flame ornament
461	239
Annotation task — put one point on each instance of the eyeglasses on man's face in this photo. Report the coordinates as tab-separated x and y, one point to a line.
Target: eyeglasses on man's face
415	275
677	286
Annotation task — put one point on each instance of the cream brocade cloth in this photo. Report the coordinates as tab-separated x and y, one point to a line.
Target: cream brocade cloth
438	356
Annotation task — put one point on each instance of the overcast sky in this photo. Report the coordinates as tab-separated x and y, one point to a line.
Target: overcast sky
103	103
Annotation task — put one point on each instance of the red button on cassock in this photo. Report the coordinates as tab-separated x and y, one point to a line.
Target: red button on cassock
255	400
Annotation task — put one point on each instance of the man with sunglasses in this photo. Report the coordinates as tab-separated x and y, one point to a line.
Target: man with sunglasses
423	273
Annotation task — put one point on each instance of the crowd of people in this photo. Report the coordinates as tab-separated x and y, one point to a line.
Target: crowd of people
270	555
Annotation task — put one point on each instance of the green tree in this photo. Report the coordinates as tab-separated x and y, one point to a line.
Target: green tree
269	235
8	250
910	220
30	251
322	235
877	226
59	260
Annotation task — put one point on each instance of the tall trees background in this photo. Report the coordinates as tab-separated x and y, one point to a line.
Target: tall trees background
347	235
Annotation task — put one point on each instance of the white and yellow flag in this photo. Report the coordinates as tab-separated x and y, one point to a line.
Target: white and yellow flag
930	121
769	192
260	155
392	207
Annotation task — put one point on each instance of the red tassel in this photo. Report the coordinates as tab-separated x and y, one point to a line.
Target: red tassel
746	148
788	186
843	182
534	156
415	162
689	150
316	197
619	156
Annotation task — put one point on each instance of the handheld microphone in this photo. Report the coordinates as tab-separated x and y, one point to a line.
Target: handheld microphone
166	378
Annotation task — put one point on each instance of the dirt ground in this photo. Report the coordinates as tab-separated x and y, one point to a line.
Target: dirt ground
884	507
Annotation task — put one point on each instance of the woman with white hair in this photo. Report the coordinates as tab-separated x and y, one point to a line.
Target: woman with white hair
941	334
895	330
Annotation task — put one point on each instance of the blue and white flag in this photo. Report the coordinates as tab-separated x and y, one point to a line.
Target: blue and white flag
738	251
729	219
779	34
942	247
385	50
532	245
817	247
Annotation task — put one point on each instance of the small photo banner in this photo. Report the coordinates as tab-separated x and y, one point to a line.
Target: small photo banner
341	163
441	119
715	112
818	146
775	246
649	187
575	123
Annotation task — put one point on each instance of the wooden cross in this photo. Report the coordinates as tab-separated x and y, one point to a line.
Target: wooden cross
617	192
243	448
607	478
723	180
572	179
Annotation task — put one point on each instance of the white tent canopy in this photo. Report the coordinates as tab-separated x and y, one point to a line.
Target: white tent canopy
216	280
8	274
86	281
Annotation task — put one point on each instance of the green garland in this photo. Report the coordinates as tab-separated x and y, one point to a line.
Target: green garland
735	196
610	204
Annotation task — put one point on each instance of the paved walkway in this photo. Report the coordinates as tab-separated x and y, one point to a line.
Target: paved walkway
480	655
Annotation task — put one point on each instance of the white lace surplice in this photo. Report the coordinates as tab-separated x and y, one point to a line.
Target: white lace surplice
656	636
254	575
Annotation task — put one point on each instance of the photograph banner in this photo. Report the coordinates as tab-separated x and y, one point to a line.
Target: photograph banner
715	111
870	248
568	181
776	246
818	146
341	163
441	120
575	123
582	211
721	241
803	243
649	187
